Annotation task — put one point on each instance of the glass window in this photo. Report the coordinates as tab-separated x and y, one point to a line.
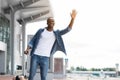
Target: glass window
5	35
4	28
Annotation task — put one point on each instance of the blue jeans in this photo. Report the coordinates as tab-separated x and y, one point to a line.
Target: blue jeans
43	62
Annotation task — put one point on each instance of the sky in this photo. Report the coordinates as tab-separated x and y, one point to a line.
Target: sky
94	40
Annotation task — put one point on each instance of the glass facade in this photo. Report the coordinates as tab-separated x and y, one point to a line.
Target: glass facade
5	35
4	29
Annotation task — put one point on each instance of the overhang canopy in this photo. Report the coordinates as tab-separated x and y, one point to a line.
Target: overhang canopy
28	10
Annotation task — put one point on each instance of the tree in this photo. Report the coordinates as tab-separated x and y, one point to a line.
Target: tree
95	69
77	68
81	69
72	68
108	69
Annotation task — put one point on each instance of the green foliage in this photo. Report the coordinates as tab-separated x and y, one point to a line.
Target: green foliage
92	69
72	69
81	69
108	69
95	69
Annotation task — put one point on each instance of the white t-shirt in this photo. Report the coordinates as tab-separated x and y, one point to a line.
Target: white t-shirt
45	43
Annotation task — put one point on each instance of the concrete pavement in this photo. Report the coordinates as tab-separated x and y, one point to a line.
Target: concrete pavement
6	77
68	77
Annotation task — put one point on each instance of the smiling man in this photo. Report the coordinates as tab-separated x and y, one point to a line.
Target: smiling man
45	43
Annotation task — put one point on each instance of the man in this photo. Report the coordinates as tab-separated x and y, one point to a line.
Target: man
44	44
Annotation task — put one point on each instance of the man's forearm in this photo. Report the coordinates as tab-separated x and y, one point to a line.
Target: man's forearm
71	23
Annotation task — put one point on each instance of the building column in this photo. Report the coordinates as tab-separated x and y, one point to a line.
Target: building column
12	30
23	48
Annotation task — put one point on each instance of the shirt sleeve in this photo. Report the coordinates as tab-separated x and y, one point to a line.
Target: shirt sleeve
64	31
32	41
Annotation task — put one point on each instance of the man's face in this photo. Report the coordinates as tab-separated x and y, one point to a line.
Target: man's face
50	22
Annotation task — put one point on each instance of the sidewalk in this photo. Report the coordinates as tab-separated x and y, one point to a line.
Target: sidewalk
11	78
6	77
69	77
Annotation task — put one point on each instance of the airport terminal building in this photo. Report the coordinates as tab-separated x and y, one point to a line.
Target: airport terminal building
14	15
